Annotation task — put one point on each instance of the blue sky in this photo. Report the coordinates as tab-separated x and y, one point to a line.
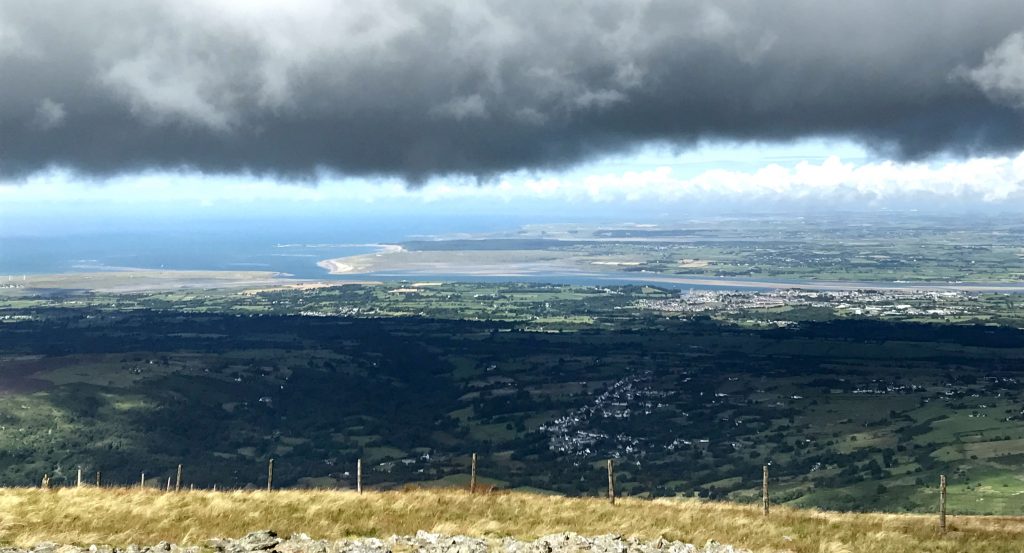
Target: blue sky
655	182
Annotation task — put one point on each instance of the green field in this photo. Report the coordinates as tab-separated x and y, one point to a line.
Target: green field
849	247
691	393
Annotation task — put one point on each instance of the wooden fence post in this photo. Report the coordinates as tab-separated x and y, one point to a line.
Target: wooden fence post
764	489
472	475
942	503
270	475
79	477
168	488
359	476
98	484
177	480
142	481
611	481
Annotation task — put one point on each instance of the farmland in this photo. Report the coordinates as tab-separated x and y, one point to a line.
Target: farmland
853	404
819	248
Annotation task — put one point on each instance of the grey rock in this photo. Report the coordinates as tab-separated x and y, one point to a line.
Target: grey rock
264	540
259	541
422	542
162	547
365	545
302	543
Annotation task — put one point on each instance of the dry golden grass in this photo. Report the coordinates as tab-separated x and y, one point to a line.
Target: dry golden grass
121	516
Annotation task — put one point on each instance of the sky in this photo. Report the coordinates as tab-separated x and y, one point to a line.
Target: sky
164	107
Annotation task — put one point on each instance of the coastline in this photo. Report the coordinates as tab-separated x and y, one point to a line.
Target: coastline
358	263
379	267
143	280
156	280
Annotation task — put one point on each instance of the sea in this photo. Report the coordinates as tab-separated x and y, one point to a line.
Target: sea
288	246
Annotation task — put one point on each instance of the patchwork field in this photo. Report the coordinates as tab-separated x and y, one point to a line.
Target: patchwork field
820	248
691	394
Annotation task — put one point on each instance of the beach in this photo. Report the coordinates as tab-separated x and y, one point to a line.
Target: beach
358	263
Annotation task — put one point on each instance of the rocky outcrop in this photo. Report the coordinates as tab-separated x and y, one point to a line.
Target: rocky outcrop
423	542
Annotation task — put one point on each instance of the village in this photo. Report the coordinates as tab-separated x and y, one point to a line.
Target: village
899	304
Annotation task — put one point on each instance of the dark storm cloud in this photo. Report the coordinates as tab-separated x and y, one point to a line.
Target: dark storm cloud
421	88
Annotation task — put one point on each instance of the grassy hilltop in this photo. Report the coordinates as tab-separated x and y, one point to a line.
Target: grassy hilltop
120	516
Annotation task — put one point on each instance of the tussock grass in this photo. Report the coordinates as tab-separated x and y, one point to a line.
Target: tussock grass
119	516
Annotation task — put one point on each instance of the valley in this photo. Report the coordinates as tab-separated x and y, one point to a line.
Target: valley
856	400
